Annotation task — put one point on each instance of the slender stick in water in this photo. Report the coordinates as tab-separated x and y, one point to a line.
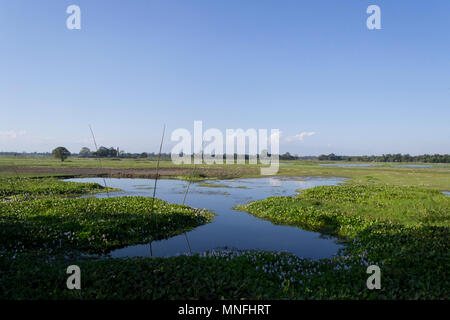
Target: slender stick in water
192	174
99	160
184	199
156	180
157	168
185	194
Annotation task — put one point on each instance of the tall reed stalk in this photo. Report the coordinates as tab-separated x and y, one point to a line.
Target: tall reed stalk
185	194
99	160
156	181
157	171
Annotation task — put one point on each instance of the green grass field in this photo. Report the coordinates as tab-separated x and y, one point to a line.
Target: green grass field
437	177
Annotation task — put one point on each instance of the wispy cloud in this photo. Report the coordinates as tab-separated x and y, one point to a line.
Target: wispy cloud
12	134
301	136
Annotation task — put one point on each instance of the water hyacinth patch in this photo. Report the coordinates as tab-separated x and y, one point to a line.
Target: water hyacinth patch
404	230
92	225
343	210
210	275
18	188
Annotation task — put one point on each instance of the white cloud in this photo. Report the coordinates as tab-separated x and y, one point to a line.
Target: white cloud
301	136
12	134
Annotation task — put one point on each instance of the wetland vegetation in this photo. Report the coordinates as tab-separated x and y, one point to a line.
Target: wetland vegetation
394	217
25	188
403	229
93	225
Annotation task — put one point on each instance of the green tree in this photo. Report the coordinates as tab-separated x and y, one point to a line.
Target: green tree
102	152
61	153
85	152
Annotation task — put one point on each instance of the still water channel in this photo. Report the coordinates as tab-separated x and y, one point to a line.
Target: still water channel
230	228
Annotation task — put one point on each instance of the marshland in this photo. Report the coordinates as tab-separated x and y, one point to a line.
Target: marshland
98	97
308	233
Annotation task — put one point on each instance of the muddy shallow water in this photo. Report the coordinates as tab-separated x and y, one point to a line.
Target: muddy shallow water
230	228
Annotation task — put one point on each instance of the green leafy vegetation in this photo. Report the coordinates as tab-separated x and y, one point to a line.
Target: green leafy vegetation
404	230
25	188
92	225
236	275
221	276
334	208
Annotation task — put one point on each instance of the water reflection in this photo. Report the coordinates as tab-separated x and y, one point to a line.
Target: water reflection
230	228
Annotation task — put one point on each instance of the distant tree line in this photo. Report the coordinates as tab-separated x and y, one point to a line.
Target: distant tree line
104	152
288	156
398	157
23	153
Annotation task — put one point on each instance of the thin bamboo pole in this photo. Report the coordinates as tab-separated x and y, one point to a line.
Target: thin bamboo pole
156	181
99	160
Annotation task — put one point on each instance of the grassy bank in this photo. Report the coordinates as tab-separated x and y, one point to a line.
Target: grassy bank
404	230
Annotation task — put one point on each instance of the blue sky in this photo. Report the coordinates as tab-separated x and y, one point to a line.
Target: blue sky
298	66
